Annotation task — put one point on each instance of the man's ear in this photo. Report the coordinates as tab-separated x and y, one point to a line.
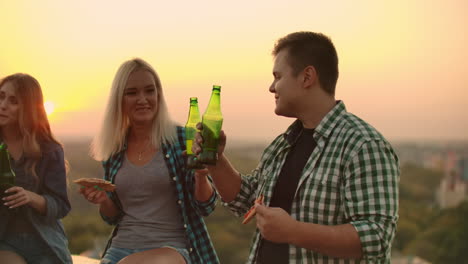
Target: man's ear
310	76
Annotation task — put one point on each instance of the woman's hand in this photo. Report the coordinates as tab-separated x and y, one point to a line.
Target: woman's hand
18	196
98	196
94	195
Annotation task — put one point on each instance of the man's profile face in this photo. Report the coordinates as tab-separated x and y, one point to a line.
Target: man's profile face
285	86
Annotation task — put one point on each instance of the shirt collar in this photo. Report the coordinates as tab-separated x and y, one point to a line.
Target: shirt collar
331	119
325	127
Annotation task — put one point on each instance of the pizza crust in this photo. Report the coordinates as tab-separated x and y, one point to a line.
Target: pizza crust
91	182
252	212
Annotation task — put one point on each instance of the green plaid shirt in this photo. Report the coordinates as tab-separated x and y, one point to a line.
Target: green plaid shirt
351	177
200	247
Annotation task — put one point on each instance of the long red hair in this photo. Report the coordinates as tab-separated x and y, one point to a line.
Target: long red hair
32	118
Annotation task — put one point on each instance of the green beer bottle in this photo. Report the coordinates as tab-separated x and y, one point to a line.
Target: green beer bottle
190	131
212	122
7	175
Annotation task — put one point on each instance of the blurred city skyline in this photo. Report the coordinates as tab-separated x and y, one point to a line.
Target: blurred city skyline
402	63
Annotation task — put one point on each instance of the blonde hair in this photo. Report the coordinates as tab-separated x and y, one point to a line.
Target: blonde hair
112	136
32	118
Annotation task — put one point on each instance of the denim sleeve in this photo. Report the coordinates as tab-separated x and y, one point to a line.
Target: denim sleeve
53	175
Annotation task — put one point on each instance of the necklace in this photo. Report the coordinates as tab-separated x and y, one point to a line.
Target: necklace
140	153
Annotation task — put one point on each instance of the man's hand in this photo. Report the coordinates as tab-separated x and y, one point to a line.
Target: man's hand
274	223
198	141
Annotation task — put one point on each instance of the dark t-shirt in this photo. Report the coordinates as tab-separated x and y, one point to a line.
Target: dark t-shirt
284	191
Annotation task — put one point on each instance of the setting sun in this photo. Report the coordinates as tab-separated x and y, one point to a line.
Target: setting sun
49	107
74	48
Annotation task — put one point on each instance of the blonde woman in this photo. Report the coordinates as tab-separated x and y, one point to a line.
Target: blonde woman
30	213
158	206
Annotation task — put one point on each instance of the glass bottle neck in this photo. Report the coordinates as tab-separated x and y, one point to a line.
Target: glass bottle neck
215	102
4	160
194	113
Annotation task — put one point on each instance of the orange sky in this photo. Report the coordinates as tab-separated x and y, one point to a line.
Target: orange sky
402	63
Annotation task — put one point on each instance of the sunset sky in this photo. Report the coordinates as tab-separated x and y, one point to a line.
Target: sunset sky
403	64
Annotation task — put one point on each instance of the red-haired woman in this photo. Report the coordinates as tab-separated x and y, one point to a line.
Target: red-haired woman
33	232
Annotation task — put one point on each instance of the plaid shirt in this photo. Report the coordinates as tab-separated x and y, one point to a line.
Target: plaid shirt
350	178
200	247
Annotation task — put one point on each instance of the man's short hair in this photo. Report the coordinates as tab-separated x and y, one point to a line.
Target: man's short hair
311	49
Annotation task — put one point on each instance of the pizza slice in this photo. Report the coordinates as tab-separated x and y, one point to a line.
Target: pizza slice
251	213
100	183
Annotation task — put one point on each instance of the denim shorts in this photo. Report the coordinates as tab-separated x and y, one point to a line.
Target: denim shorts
30	247
115	254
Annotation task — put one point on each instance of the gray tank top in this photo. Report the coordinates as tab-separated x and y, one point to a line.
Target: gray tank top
152	217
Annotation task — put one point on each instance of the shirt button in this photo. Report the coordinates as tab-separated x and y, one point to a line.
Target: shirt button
174	178
167	156
185	226
191	249
179	202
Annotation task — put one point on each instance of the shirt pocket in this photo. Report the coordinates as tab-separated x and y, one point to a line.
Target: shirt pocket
321	198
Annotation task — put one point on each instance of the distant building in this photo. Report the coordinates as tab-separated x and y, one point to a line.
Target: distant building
463	165
450	158
435	162
453	187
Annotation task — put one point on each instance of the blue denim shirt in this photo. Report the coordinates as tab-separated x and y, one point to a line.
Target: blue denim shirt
52	186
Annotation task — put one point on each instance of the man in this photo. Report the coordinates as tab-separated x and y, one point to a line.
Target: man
330	182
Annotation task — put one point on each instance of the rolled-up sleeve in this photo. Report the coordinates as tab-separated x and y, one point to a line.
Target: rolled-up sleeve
205	208
371	197
246	196
55	185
